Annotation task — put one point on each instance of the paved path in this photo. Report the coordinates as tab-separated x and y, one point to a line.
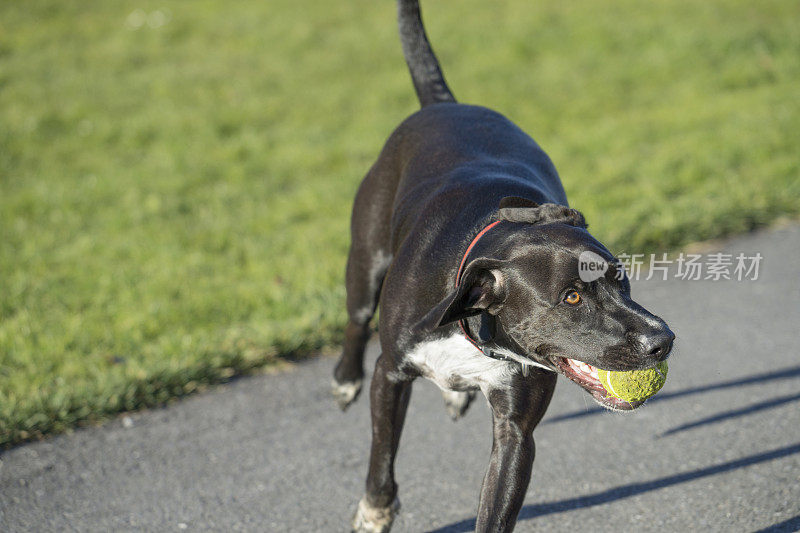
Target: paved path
718	450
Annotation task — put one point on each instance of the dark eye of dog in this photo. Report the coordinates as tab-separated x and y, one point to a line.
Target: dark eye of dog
572	298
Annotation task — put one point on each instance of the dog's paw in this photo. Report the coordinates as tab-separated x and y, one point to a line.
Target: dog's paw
345	393
369	519
457	402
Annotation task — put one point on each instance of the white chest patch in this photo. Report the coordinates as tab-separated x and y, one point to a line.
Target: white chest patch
455	364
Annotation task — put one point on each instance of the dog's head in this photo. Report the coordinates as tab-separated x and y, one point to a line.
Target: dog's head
527	279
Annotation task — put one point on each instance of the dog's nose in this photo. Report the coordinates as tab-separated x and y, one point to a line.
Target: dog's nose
656	344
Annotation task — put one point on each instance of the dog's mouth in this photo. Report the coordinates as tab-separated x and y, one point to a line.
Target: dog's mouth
585	375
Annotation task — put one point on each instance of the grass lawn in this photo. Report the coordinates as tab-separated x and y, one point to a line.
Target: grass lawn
176	178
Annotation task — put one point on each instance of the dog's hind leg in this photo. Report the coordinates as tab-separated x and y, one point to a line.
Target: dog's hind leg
367	264
365	273
389	395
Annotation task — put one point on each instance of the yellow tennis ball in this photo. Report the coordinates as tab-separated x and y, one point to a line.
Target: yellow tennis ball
635	385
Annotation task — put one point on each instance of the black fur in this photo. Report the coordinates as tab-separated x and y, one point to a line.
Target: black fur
425	72
446	173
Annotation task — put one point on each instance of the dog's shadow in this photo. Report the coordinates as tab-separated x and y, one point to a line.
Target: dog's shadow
532	511
734	413
529	512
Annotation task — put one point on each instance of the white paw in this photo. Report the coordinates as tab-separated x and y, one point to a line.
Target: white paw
457	402
370	519
345	393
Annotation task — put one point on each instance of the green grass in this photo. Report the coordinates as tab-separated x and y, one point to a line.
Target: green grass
174	200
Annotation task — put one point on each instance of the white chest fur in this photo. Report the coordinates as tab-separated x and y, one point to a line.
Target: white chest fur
455	364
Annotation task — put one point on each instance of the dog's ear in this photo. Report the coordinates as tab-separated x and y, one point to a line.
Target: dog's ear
516	209
481	289
516	201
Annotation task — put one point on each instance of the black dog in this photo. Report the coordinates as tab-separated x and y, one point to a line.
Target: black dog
462	229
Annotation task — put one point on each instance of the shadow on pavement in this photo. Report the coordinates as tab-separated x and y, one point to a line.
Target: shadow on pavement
617	493
786	373
787	526
761	406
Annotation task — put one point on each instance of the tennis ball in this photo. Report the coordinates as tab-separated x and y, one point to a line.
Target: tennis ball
635	385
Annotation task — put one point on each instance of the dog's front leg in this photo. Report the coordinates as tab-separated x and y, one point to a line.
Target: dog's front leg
389	395
515	411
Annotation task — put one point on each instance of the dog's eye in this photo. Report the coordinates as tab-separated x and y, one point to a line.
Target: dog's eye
572	298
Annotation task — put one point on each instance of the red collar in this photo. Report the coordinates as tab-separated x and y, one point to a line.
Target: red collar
458	278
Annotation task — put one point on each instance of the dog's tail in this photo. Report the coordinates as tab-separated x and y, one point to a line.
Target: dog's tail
425	72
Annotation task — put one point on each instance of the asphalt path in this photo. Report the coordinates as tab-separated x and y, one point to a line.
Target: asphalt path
717	450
